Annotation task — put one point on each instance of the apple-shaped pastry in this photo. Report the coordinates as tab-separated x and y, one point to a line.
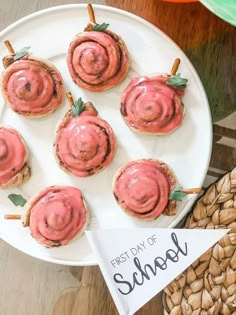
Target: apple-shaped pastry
147	188
153	105
32	87
14	155
55	215
84	143
97	58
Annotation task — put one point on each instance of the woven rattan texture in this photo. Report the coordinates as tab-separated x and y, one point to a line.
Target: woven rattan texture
208	286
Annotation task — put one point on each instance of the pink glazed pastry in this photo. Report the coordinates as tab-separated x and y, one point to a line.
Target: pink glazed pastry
97	60
84	144
56	215
31	87
142	189
14	168
151	106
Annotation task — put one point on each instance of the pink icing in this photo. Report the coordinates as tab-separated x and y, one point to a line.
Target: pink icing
85	144
97	60
143	187
32	87
12	154
150	105
57	215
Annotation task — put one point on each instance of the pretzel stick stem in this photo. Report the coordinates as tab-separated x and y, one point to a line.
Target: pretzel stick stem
70	99
9	47
175	66
191	190
12	216
91	13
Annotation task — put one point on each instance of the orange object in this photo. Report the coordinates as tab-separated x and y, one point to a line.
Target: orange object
181	1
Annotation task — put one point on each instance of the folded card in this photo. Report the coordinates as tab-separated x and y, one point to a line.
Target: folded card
138	263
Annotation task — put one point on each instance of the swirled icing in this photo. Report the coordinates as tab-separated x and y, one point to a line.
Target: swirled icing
142	188
57	214
84	144
13	154
150	105
31	87
97	61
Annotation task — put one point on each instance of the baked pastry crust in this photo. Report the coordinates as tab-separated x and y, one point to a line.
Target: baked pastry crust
142	188
150	106
87	158
24	173
36	93
64	221
97	61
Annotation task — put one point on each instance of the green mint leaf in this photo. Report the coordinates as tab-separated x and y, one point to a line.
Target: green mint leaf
176	194
78	108
177	81
100	27
21	53
74	111
18	200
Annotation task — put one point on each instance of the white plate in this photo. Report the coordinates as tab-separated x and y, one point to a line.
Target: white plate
187	150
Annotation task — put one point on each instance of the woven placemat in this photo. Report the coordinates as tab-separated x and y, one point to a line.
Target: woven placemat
208	286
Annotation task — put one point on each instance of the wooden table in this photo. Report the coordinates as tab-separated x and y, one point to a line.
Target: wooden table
32	287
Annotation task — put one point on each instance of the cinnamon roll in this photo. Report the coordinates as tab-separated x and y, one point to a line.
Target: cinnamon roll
32	87
84	144
142	189
151	106
14	168
56	215
97	61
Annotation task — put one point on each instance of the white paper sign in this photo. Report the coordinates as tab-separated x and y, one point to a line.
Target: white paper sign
139	263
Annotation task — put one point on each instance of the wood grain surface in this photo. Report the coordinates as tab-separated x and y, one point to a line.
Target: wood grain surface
32	287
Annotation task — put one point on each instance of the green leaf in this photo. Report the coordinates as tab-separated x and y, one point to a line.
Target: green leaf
100	27
78	108
21	53
18	200
177	194
177	81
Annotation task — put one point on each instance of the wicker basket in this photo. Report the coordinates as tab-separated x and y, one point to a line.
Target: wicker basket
208	286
